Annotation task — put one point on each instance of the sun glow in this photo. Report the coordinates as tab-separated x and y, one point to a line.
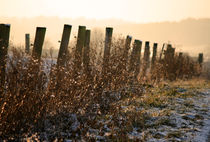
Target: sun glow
130	10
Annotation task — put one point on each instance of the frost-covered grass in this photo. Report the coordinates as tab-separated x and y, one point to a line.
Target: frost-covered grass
167	113
43	101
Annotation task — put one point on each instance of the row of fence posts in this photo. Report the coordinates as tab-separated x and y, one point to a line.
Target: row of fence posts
83	49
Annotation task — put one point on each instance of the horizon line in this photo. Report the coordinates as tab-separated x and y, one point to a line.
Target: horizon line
106	19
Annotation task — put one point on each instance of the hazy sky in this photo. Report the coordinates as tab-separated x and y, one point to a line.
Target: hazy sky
129	10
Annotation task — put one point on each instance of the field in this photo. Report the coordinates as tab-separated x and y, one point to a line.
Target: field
103	91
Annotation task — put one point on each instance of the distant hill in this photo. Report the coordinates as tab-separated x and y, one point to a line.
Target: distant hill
191	35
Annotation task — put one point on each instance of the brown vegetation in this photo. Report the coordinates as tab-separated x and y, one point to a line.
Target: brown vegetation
31	94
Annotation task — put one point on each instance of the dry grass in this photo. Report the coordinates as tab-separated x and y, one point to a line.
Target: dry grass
30	94
176	68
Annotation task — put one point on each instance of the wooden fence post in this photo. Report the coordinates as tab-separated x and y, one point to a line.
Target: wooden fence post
86	55
125	53
135	58
180	58
154	55
162	50
79	47
107	49
64	45
200	58
170	52
146	58
180	64
169	62
38	42
180	54
4	44
27	43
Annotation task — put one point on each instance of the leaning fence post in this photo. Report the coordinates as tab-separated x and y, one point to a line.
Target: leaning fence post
79	47
27	43
64	45
162	50
154	54
107	49
146	58
86	55
38	42
4	44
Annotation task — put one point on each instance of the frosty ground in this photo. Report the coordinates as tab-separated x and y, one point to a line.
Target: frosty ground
167	112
